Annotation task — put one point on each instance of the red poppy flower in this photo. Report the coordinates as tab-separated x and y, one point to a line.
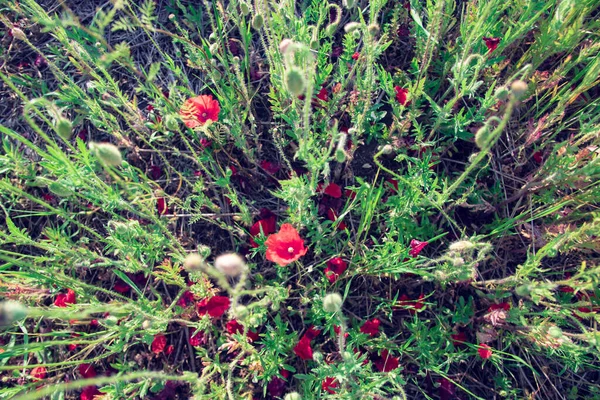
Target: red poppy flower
161	206
198	110
349	193
323	95
121	287
484	351
72	347
89	392
333	190
332	216
401	95
566	289
312	332
62	299
286	246
403	31
215	307
355	55
198	339
234	327
187	298
158	344
87	371
83	134
303	349
459	339
271	167
491	43
335	267
385	362
38	373
267	225
371	327
501	306
337	329
170	348
94	323
538	157
329	384
393	183
276	387
416	247
411	305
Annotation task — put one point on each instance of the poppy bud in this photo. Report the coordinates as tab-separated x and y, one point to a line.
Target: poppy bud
230	264
332	302
18	34
482	137
146	325
244	8
518	88
340	156
292	396
108	153
111	320
171	123
193	262
11	311
240	312
555	332
523	290
348	3
213	37
373	29
317	357
461	246
294	81
501	93
64	128
285	45
258	21
314	44
387	149
59	189
330	30
351	27
213	48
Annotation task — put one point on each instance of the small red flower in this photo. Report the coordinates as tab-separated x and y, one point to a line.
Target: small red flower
484	351
89	392
215	307
412	305
276	386
234	327
198	339
268	226
303	349
199	110
72	347
286	246
459	339
332	216
566	289
62	299
501	306
312	332
385	362
447	390
323	95
271	167
416	247
161	206
94	323
121	287
329	384
401	95
538	157
158	344
187	298
491	43
371	327
155	172
333	190
87	371
335	267
170	348
38	373
355	55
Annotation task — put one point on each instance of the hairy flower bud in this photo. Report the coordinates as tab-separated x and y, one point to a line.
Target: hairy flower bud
348	3
11	311
244	8
108	153
332	302
461	246
482	137
18	34
373	29
518	88
193	262
258	21
294	81
501	93
351	27
292	396
230	264
64	128
285	45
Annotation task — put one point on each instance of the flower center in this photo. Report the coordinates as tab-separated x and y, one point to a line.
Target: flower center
290	250
204	114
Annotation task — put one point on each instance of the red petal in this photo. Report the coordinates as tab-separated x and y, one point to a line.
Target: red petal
484	351
87	371
371	327
215	307
333	190
303	349
158	344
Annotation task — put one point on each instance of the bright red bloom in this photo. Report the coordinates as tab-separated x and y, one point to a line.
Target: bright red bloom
158	344
303	349
335	267
459	338
161	206
401	95
267	225
329	384
332	216
72	347
198	339
501	306
394	184
198	110
62	299
385	362
411	305
38	373
271	167
215	307
416	247
371	327
491	43
355	55
187	298
484	351
89	392
87	371
323	95
286	246
333	190
94	323
234	327
169	349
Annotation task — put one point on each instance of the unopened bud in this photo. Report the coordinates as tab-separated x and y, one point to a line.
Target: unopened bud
258	21
108	153
523	290
373	29
18	34
213	37
555	332
348	3
461	246
244	8
315	44
292	396
111	320
501	93
317	357
482	137
230	264
351	27
387	149
59	189
240	312
332	302
11	311
285	45
146	325
193	262
64	128
214	48
518	88
294	81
